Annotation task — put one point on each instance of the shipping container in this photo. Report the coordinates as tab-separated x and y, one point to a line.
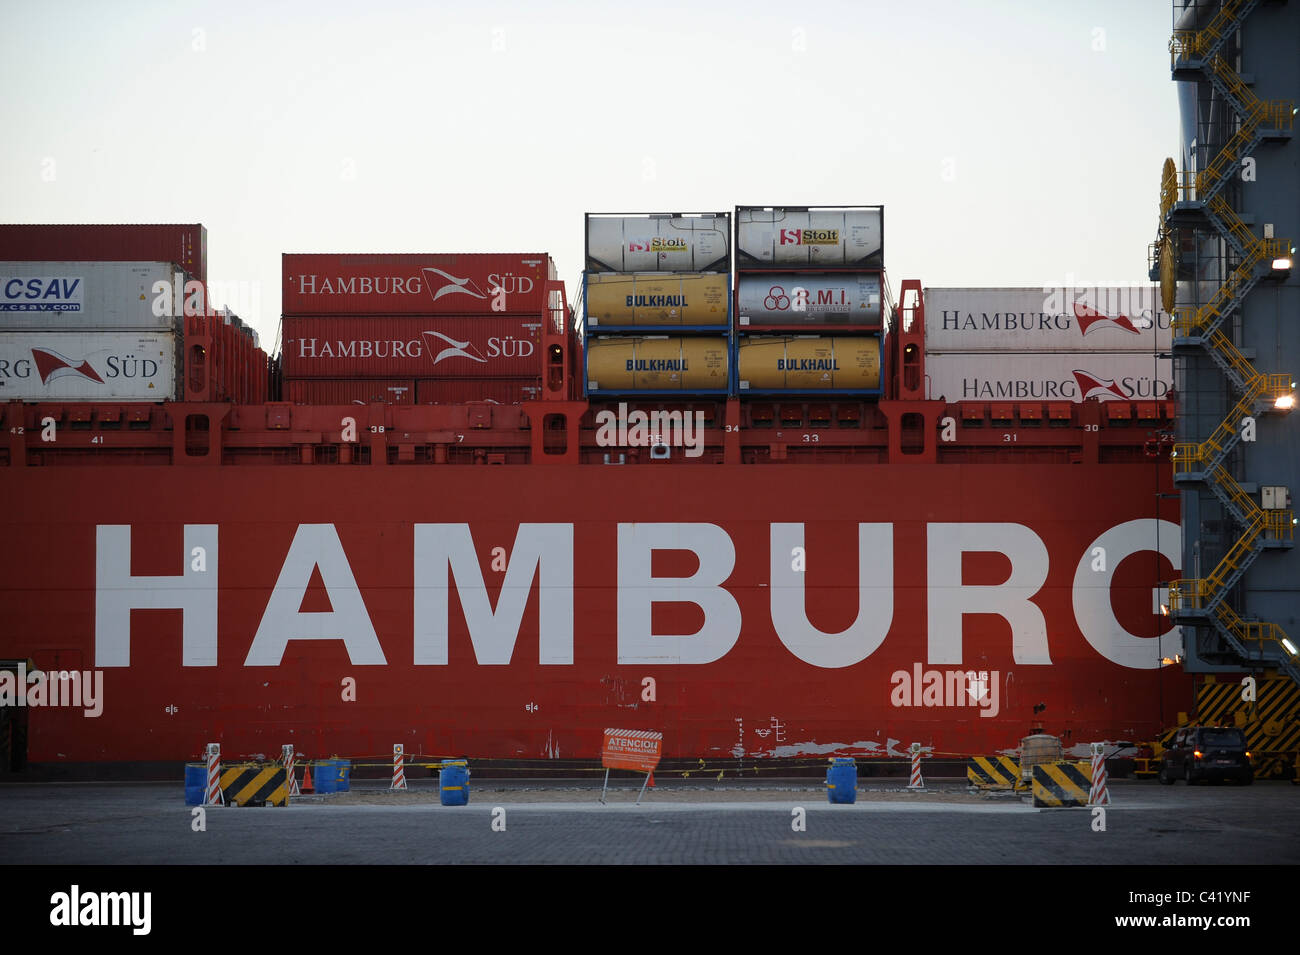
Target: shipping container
658	243
827	237
799	300
502	391
185	246
72	296
656	298
1076	320
78	366
415	283
620	364
1048	376
411	347
808	363
333	391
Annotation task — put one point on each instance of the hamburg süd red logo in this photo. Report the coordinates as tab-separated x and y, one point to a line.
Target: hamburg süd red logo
1091	386
50	365
1089	317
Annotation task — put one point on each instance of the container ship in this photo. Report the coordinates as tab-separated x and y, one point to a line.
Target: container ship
741	492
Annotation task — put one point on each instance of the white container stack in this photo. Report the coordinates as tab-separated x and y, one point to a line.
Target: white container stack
88	331
1062	344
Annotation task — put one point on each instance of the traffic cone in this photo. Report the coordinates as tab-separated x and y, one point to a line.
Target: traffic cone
307	786
651	781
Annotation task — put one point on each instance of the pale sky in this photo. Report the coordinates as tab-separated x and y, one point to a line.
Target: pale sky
1013	143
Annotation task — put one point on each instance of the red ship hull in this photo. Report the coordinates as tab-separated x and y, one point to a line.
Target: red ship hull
288	633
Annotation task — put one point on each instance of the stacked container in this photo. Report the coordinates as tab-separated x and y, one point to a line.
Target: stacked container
79	331
809	299
1046	344
413	328
656	304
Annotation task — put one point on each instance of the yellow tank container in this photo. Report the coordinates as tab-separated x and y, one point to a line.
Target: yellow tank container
675	363
653	298
809	363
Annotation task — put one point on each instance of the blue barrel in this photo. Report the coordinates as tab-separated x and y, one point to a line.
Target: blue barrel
196	783
326	776
842	780
453	782
343	778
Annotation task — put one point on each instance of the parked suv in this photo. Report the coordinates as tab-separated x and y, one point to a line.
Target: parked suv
1207	752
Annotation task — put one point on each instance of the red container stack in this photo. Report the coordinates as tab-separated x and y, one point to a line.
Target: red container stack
452	327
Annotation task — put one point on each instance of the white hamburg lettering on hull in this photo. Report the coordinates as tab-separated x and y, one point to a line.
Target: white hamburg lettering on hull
1092	603
875	599
543	555
541	550
315	545
948	598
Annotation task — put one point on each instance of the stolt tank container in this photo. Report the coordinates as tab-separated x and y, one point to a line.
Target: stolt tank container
83	295
622	364
185	246
1048	376
656	298
453	346
1078	320
659	243
412	283
81	366
788	299
840	237
808	363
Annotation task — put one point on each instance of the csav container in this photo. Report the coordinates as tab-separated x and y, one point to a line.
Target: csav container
453	782
829	237
656	298
842	780
658	243
185	246
415	283
411	347
1077	320
808	363
123	366
457	391
793	300
81	295
364	391
657	363
1048	376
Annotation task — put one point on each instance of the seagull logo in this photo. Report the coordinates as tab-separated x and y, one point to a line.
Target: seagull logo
454	348
442	283
1088	317
50	365
1092	386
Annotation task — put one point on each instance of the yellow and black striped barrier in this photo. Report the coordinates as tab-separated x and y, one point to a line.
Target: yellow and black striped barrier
994	772
1062	784
255	786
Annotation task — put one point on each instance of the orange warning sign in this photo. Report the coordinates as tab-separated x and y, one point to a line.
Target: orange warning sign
632	749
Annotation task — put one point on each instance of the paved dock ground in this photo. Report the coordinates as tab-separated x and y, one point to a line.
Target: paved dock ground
735	823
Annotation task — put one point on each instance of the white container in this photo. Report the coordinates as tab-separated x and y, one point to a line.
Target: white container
809	239
82	295
658	243
1047	377
790	299
1073	320
81	366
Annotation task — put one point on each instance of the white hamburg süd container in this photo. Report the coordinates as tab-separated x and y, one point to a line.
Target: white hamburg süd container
1047	377
88	366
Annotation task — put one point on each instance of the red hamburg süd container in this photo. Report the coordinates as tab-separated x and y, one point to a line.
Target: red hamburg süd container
185	246
415	283
411	347
505	391
332	391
